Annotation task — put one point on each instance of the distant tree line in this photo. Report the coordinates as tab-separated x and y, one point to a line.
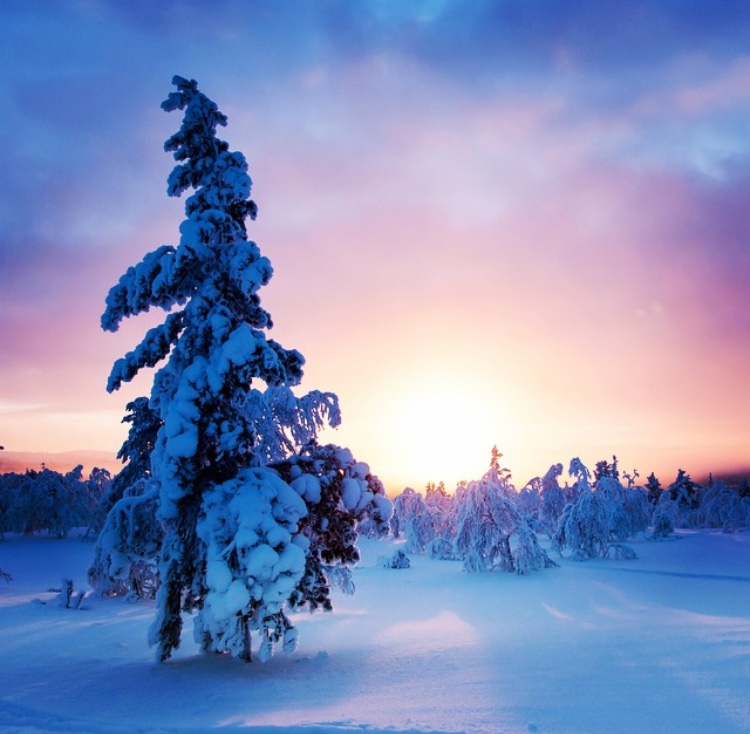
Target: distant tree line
490	525
46	502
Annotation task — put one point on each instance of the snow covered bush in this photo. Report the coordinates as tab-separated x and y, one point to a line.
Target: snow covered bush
398	560
584	527
653	487
685	493
420	532
442	508
255	558
664	517
491	533
600	518
406	505
721	506
529	500
127	549
551	500
221	410
442	549
424	519
582	482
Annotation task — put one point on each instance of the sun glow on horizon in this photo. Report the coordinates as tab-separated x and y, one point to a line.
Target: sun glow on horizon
442	429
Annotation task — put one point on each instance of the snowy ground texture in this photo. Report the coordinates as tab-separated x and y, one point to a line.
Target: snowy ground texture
658	644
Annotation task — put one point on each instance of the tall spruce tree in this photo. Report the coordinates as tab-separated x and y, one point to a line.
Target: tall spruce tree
235	549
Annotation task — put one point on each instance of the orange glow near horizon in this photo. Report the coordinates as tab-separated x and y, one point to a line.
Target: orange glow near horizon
439	428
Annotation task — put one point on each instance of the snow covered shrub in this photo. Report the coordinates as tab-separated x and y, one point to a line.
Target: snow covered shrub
406	505
605	469
90	500
601	516
584	527
663	518
551	500
663	526
529	499
491	533
733	526
620	552
398	560
685	493
422	520
653	487
442	508
255	558
69	598
636	513
441	549
721	506
582	482
127	549
207	427
529	556
420	532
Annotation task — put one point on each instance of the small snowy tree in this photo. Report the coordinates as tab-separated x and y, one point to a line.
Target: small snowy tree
582	483
722	507
90	500
529	499
406	505
685	493
127	549
255	558
605	469
654	489
600	518
442	508
584	524
664	517
215	495
491	532
420	532
551	500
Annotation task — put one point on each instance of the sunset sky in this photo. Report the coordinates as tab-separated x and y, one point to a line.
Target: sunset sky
514	223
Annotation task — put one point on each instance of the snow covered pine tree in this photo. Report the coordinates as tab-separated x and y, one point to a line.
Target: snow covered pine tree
236	545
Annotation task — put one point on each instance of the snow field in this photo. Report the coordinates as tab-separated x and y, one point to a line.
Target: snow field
658	644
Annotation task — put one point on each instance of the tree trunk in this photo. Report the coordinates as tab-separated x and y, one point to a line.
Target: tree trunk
247	651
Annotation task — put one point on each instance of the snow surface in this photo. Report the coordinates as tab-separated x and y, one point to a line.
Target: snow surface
658	644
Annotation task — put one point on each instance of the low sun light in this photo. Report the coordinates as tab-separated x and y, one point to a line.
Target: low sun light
444	430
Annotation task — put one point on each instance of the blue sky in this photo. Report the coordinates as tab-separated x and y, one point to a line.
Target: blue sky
509	223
